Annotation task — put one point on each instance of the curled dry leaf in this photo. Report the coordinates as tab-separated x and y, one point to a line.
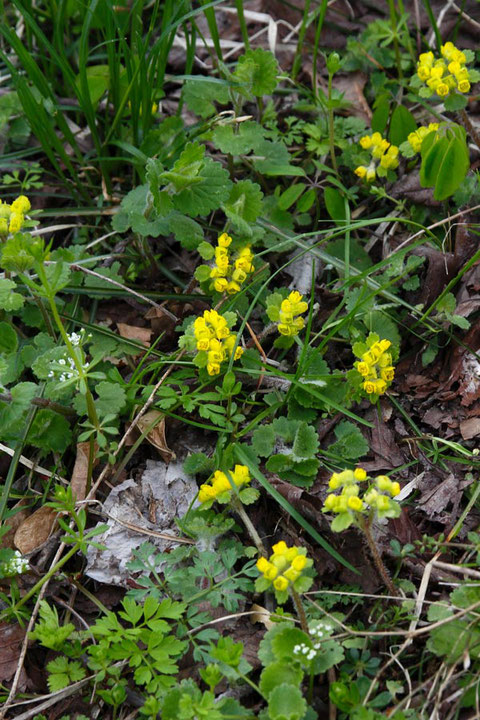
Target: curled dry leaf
156	436
78	482
35	530
261	615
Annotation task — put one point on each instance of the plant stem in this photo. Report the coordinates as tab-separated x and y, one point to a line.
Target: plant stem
297	600
301	37
393	22
240	510
41	402
383	572
331	127
243	24
46	577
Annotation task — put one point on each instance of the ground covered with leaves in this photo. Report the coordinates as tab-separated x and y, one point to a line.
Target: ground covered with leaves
239	360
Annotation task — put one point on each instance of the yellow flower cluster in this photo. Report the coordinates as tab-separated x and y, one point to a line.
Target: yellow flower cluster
416	138
284	566
377	496
213	336
290	323
375	366
229	276
12	217
220	483
384	154
442	75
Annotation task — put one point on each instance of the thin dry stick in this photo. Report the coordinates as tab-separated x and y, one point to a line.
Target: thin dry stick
85	270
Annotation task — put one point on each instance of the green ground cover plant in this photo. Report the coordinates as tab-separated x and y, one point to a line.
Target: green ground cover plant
239	370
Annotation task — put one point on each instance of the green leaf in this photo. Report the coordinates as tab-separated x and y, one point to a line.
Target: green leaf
342	521
455	102
98	81
379	323
240	139
335	204
284	642
291	195
201	92
445	160
381	113
244	205
286	702
278	673
10	300
402	123
211	190
206	251
8	339
305	444
350	444
50	432
331	653
257	72
198	463
188	232
64	672
58	275
112	272
111	398
263	440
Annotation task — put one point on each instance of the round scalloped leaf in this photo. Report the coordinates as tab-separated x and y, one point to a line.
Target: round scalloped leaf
279	673
286	703
284	642
257	71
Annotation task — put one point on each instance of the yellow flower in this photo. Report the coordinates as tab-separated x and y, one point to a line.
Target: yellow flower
369	387
271	573
291	574
361	171
360	474
442	89
355	503
262	564
21	205
280	548
16	222
281	583
395	489
299	563
206	493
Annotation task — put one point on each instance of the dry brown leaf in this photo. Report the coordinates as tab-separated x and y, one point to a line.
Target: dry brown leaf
11	639
351	86
261	615
14	522
78	482
132	332
156	436
470	428
35	530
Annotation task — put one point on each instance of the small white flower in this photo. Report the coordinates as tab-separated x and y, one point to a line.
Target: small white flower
61	362
311	655
317	646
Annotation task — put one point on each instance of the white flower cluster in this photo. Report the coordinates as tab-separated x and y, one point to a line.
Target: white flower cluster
15	566
308	652
70	369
